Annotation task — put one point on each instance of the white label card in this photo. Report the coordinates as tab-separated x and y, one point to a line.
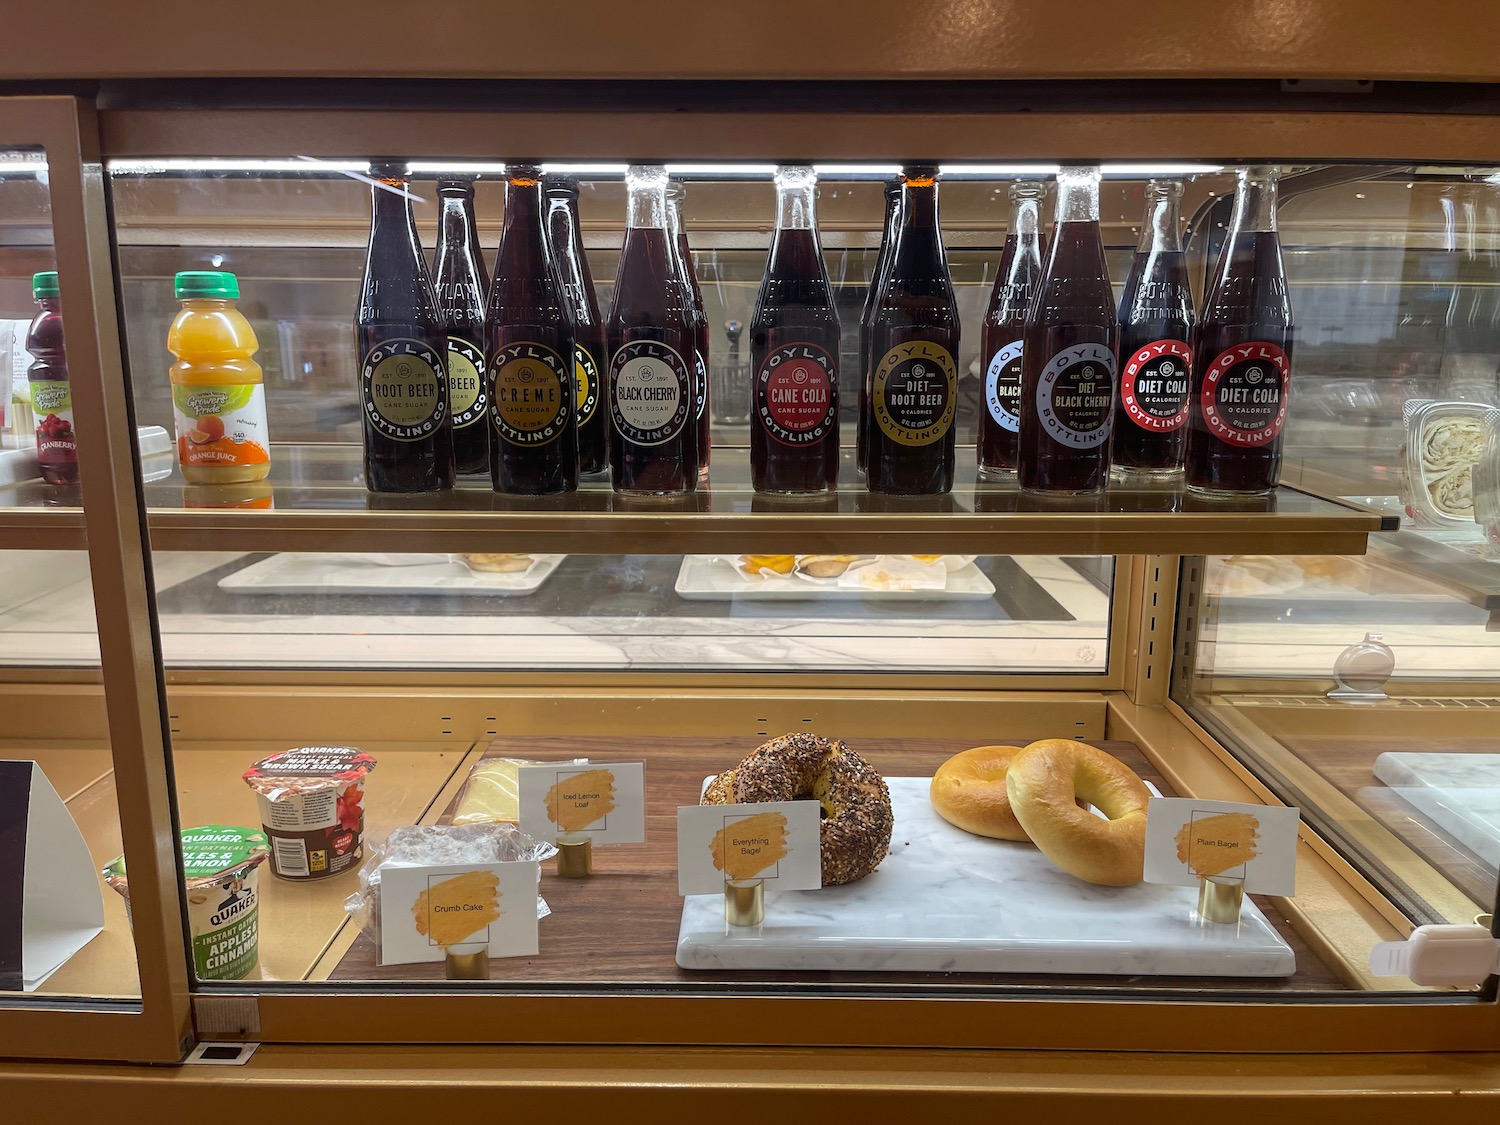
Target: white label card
1188	839
778	841
605	801
425	909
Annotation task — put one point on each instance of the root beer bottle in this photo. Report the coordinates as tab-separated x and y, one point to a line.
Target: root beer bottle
794	352
408	429
1156	332
684	252
1004	325
1069	351
913	348
590	356
654	448
461	282
1243	359
877	279
529	336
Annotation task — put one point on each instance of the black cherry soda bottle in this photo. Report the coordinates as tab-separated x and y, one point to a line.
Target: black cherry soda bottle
1156	332
1004	325
794	352
684	252
867	317
1243	359
654	448
529	344
913	348
462	282
1069	351
590	359
408	430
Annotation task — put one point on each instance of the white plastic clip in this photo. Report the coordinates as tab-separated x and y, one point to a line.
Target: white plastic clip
1440	956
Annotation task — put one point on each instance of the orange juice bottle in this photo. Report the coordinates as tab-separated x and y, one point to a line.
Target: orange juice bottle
218	396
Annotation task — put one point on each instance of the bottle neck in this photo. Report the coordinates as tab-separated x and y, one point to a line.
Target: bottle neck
1026	215
796	197
1078	195
919	204
1254	201
454	221
1160	226
647	207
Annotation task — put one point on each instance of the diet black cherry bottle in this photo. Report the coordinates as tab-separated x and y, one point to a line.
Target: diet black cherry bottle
462	283
867	317
1004	325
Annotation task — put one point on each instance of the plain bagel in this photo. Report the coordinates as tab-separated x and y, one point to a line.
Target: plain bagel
968	791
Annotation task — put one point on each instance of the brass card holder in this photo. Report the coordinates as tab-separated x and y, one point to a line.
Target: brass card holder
1220	899
575	858
744	901
466	962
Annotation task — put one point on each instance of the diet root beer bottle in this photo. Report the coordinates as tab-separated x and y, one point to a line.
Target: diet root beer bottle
867	317
794	352
589	350
913	353
684	254
403	347
1004	326
1069	351
652	370
1156	332
529	338
1243	360
462	282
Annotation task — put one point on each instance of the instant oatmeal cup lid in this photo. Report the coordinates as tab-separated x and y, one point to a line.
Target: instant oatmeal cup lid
309	767
208	851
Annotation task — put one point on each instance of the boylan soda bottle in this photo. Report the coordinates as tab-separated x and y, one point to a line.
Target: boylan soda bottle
913	348
1156	357
684	253
589	354
1004	325
867	318
529	342
654	448
1243	359
462	283
408	430
1069	351
794	352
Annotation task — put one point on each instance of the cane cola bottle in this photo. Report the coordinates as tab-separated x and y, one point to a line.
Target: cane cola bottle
462	284
867	317
684	253
1004	325
1156	332
1069	351
654	448
529	333
1243	361
913	348
589	352
794	352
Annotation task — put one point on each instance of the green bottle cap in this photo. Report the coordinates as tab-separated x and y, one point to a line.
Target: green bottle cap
44	285
207	285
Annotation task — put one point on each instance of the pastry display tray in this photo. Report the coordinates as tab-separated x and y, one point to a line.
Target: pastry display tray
948	901
296	573
1460	793
714	578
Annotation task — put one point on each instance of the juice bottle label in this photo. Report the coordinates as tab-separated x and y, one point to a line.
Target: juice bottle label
586	384
794	394
467	397
52	402
1154	385
1002	387
221	425
1075	396
915	393
531	393
405	389
1244	397
651	392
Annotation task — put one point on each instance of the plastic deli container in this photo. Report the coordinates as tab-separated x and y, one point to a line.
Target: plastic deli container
1444	440
1487	484
220	864
312	808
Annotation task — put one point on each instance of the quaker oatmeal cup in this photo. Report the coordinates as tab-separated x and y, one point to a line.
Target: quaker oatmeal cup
312	808
220	866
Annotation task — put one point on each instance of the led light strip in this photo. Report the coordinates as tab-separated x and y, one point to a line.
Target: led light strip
200	164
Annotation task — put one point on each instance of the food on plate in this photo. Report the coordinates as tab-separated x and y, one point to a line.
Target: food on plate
312	808
1045	781
497	563
824	566
754	565
856	832
968	791
492	795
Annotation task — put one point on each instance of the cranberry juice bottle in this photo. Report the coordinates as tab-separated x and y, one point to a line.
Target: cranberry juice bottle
1243	360
913	348
1156	332
529	334
461	283
654	448
684	253
1069	351
877	279
590	356
51	395
794	352
1004	325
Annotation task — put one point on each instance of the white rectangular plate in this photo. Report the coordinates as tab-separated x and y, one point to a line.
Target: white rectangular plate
296	573
712	578
1460	793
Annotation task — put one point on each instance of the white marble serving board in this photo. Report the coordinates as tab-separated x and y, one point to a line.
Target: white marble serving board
714	578
1460	793
948	901
298	573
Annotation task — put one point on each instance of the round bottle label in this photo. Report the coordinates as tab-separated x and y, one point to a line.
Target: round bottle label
915	393
405	389
586	384
530	393
1075	397
1002	387
467	396
1244	397
796	395
651	392
1155	383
